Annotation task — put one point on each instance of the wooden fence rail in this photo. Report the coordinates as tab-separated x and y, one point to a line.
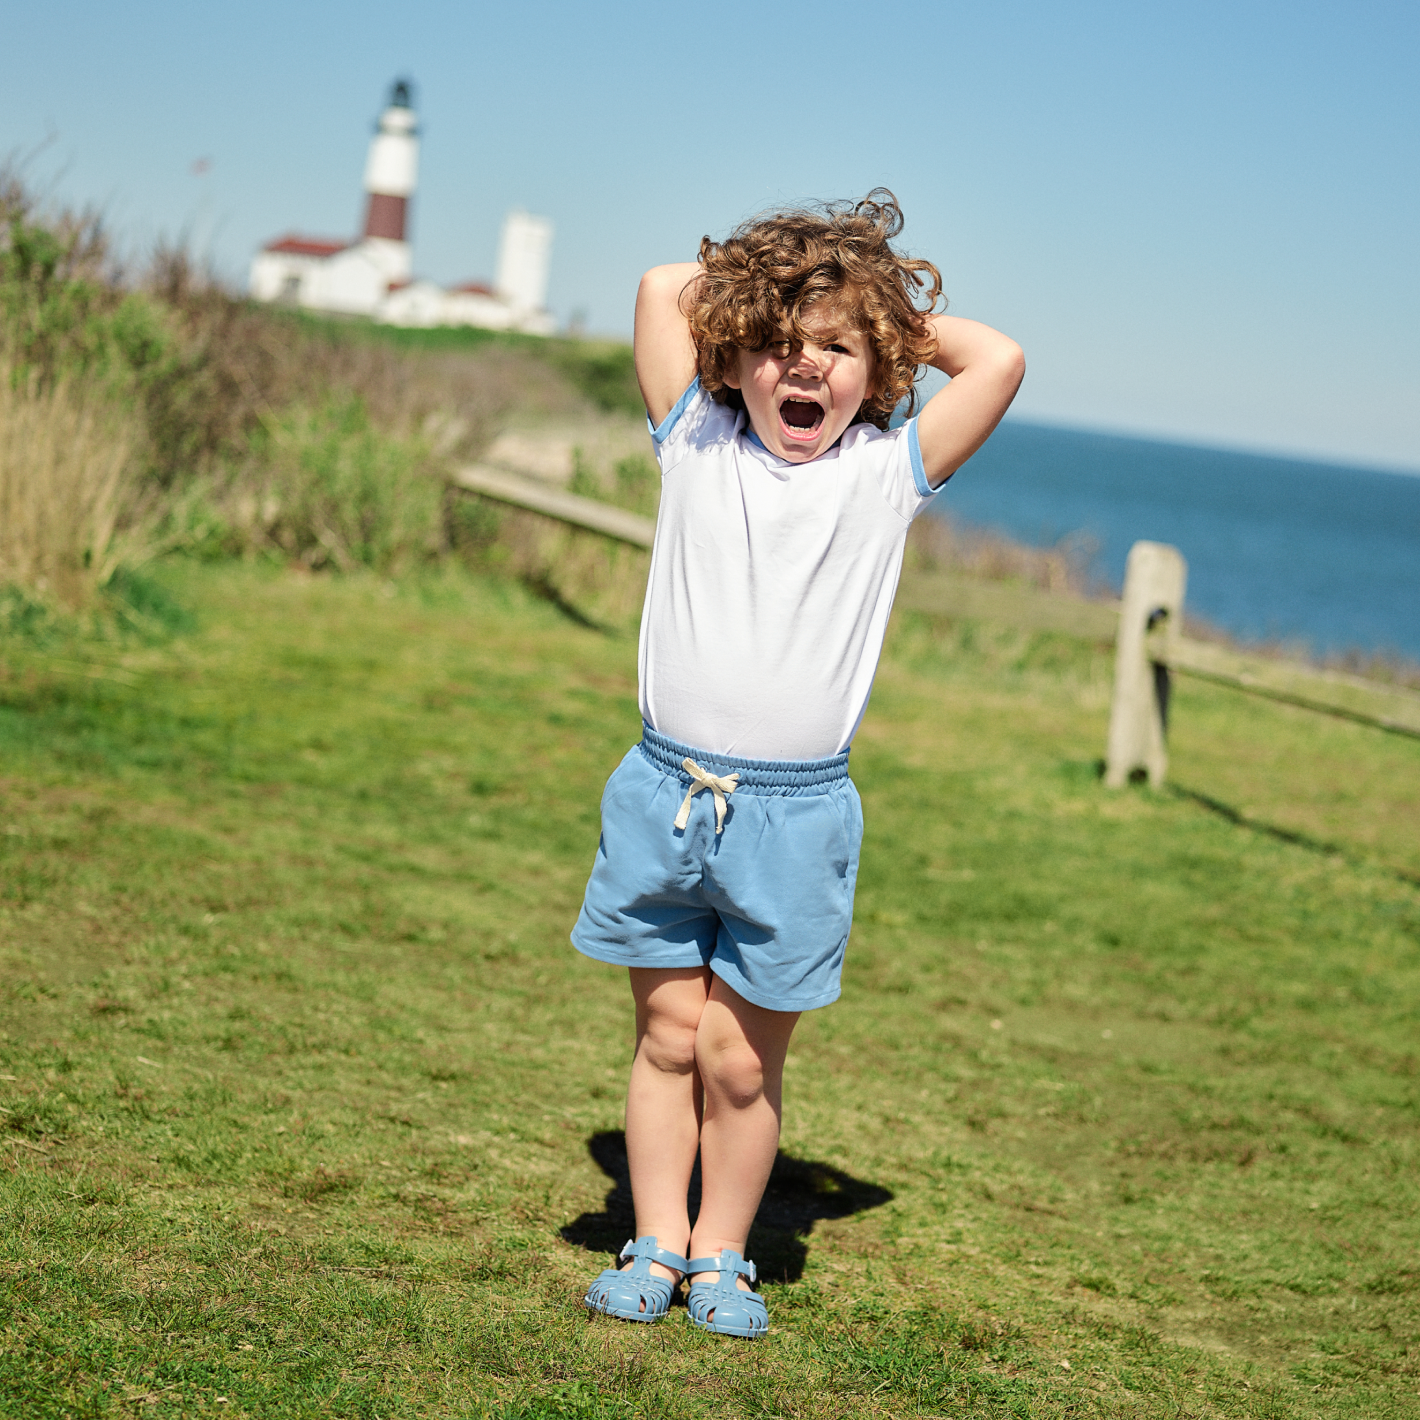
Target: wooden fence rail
1294	683
1146	626
520	492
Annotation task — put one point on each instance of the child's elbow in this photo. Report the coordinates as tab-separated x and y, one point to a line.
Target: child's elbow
1012	365
662	280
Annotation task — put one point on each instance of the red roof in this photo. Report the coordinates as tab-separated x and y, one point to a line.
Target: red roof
472	288
305	246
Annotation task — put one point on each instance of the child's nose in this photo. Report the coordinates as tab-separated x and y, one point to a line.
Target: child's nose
809	362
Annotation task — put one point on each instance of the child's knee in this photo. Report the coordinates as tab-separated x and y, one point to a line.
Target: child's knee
668	1044
733	1071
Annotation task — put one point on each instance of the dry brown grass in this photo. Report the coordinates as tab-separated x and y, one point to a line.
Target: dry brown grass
937	544
67	487
241	365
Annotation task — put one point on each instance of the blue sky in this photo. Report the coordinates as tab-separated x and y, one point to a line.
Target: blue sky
1201	221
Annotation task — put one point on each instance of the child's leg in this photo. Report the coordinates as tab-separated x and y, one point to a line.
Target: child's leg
740	1050
663	1101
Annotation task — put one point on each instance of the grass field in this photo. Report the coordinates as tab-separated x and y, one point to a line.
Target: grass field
309	1109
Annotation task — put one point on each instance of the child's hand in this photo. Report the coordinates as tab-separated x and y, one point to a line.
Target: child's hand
986	370
665	353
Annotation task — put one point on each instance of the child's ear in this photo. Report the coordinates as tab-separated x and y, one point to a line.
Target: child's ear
731	374
874	385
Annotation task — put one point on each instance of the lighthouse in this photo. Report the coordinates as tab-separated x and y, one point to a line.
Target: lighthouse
354	278
371	276
391	171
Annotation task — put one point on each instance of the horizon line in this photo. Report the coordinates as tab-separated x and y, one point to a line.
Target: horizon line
1202	443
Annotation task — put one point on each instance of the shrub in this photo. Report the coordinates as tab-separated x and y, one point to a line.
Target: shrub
324	486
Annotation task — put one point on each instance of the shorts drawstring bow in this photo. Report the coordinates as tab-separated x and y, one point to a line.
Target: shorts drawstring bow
720	785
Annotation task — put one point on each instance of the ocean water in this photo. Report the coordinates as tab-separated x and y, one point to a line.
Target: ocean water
1278	549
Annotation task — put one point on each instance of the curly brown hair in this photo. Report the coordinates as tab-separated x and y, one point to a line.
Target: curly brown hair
760	283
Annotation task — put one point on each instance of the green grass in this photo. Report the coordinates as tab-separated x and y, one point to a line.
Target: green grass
309	1105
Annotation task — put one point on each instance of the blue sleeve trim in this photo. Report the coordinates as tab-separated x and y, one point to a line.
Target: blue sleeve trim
919	474
661	432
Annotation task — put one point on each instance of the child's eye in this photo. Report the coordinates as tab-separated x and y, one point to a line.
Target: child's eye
779	349
837	349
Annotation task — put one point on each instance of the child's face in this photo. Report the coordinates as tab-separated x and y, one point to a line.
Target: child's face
799	402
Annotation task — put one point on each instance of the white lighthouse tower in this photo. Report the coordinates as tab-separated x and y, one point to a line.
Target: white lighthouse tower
354	277
390	174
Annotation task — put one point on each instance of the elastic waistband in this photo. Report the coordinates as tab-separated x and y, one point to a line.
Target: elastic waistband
787	777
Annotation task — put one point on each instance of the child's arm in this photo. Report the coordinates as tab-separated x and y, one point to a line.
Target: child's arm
665	353
986	369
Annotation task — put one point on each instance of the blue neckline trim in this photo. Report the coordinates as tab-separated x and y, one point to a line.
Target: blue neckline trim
919	474
914	449
661	432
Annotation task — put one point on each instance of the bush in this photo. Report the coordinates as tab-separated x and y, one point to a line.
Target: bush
324	486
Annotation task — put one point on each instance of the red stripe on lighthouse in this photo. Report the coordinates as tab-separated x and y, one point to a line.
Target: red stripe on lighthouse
385	216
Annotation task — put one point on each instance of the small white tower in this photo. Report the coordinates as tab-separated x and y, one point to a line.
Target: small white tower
523	255
390	174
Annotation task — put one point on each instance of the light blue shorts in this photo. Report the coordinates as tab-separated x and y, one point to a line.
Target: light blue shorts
766	904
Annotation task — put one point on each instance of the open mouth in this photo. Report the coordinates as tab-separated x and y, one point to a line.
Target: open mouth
800	417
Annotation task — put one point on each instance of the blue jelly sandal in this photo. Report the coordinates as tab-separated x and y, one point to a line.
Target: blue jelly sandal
720	1306
635	1295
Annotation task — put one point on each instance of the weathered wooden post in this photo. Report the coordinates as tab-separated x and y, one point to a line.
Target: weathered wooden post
1152	612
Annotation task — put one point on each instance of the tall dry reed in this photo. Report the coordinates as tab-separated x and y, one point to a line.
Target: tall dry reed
938	544
67	458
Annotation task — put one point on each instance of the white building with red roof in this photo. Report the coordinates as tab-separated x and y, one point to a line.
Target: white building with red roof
371	276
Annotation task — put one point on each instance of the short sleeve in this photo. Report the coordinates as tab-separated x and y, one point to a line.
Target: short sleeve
695	421
895	457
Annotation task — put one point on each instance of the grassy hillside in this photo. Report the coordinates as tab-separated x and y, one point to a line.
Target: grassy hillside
310	1109
151	411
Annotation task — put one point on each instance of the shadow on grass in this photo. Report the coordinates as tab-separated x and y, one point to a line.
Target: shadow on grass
543	587
800	1192
1284	835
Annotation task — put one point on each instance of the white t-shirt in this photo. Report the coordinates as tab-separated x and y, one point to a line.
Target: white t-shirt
771	582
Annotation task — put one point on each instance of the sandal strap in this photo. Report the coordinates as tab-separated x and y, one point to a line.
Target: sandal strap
728	1261
649	1248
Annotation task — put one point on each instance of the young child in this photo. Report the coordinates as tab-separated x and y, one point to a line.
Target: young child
729	847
